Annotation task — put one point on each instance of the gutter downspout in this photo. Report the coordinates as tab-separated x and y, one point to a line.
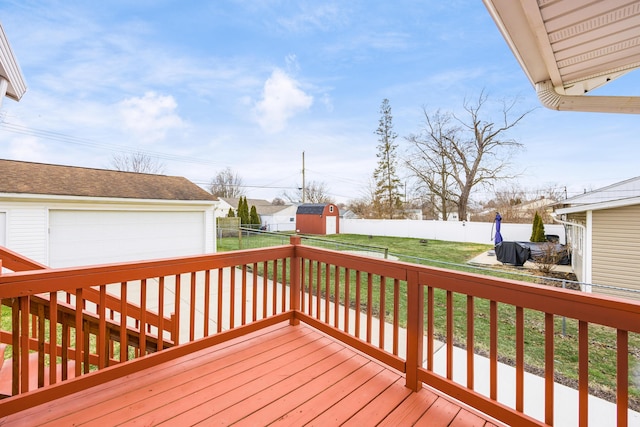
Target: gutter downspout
550	98
585	260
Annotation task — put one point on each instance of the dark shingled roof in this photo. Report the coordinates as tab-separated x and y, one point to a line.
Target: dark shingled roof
46	179
311	209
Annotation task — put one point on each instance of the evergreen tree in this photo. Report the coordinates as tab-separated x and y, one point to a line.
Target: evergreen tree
254	218
231	213
387	198
243	211
537	231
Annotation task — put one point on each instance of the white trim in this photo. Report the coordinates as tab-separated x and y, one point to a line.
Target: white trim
553	100
21	197
599	206
10	69
588	251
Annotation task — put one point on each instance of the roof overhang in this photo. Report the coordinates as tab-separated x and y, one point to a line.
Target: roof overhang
101	202
10	70
600	206
568	48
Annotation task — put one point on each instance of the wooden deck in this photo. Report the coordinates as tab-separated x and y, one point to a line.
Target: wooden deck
285	375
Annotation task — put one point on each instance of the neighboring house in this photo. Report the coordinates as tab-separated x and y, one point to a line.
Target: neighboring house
604	234
349	214
272	217
318	218
278	217
68	216
414	214
226	203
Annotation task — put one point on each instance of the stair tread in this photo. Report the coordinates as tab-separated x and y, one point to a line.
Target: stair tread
7	368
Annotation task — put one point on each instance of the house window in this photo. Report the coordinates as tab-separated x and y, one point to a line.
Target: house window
291	219
331	209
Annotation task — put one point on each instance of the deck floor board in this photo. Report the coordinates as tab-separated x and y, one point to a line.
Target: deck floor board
284	375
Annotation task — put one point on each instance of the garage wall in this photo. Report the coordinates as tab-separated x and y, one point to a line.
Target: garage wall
78	237
3	229
99	233
27	231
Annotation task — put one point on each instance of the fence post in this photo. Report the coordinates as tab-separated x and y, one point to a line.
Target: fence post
294	280
415	330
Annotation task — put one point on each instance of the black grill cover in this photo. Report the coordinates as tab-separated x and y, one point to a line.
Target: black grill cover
514	253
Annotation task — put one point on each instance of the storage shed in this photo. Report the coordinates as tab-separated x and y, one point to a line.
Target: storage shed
318	218
64	216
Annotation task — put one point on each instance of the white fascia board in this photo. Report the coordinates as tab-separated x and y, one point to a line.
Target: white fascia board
599	206
10	69
101	200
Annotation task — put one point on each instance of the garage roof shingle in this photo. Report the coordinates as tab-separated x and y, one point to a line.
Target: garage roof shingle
47	179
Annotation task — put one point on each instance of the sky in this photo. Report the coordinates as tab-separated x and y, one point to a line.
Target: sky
250	85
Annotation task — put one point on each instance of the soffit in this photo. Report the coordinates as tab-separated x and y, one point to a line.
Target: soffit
577	45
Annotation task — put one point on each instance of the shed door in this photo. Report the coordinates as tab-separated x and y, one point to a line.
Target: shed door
332	224
101	237
3	229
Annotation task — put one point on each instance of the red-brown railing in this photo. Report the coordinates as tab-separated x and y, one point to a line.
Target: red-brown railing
347	296
336	297
104	315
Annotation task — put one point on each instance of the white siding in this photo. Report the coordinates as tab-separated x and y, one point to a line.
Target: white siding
27	232
3	229
616	248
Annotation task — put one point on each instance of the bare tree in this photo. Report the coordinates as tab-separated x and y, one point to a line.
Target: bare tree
226	183
430	162
364	205
473	151
137	162
315	192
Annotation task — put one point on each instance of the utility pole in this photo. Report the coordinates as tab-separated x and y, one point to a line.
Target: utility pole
303	186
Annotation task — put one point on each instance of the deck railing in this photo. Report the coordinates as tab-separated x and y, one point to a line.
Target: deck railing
396	312
73	321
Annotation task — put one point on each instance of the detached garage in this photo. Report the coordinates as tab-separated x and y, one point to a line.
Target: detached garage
66	216
320	218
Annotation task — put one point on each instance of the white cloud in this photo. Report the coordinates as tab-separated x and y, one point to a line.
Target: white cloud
150	117
27	148
282	98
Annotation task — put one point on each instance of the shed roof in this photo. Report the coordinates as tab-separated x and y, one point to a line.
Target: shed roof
311	209
18	177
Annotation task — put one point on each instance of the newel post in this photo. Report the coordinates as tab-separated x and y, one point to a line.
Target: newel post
415	330
294	280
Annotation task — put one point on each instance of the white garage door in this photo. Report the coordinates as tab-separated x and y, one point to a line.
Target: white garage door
102	237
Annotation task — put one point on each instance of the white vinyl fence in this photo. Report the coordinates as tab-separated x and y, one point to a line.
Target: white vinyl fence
453	231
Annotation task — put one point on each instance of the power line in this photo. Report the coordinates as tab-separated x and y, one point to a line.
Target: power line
70	139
